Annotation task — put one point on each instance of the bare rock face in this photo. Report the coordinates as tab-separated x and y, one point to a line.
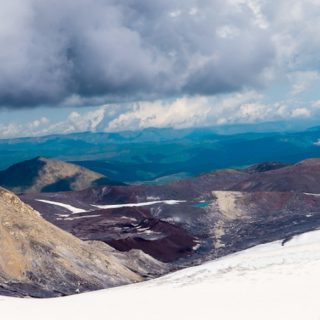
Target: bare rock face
136	260
49	175
40	260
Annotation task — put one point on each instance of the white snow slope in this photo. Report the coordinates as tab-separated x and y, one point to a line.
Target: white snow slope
139	204
269	281
111	206
66	206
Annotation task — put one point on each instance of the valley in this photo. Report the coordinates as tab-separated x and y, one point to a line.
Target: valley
206	217
148	231
164	155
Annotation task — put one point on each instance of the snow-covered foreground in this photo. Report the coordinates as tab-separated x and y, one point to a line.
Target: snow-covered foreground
270	281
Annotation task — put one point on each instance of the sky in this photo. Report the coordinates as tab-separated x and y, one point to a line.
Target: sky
112	65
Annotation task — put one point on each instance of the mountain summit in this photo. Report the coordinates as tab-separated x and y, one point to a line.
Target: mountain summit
49	175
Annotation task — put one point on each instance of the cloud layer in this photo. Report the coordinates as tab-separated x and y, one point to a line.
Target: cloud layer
64	52
238	108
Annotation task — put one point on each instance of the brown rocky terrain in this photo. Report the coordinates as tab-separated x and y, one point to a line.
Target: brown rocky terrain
219	212
40	260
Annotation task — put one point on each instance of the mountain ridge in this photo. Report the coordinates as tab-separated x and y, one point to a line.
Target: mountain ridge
39	259
147	156
42	174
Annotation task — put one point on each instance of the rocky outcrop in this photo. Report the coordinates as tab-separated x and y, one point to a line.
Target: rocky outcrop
40	260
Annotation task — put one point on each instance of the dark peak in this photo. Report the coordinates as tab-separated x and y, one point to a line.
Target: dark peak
265	166
42	174
40	158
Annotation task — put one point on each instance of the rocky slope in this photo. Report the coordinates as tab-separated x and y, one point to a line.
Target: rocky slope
38	259
49	175
301	177
196	219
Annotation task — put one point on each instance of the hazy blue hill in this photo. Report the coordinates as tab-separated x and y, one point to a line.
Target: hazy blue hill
153	154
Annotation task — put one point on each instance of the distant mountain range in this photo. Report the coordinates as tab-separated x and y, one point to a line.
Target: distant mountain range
159	156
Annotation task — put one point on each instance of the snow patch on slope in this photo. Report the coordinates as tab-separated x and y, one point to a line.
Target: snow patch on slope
63	205
111	206
139	204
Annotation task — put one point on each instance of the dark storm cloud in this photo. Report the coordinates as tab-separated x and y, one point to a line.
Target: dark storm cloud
126	50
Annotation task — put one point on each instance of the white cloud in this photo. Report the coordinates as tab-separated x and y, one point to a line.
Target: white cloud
10	130
301	113
175	14
75	122
86	122
302	81
183	112
39	122
34	128
227	32
193	11
316	104
294	26
246	107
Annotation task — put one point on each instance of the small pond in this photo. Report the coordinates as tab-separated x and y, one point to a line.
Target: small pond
201	204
